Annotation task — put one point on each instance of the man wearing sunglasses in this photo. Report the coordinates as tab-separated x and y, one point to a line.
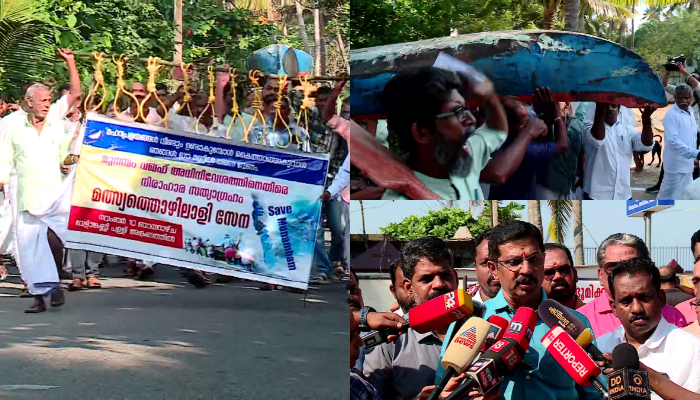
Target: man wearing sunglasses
560	276
615	249
517	259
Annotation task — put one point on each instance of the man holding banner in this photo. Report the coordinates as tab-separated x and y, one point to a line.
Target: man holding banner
36	146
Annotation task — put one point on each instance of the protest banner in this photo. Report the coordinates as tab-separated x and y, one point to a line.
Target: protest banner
196	201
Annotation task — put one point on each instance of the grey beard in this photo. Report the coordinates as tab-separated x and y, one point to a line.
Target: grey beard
452	154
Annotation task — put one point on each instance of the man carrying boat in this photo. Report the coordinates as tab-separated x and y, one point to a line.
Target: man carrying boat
427	110
609	145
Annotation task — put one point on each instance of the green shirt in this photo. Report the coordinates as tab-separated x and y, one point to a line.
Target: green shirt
560	175
236	132
481	144
36	157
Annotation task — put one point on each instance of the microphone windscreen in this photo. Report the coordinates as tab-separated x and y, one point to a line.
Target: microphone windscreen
624	355
554	314
441	311
521	326
466	344
570	356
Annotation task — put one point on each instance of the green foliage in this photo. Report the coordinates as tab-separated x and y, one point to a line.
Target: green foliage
380	22
677	34
25	46
445	222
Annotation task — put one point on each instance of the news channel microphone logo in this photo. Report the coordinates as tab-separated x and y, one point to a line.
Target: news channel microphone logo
516	327
467	338
450	300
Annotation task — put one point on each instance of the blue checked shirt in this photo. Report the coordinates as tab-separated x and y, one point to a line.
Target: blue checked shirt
539	377
360	389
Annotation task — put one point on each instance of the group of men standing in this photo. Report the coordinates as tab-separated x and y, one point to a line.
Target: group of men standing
508	150
516	269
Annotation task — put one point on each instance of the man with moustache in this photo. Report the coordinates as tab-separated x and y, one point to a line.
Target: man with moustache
616	248
488	286
637	299
609	145
681	150
426	108
138	89
400	371
560	276
516	258
404	302
521	185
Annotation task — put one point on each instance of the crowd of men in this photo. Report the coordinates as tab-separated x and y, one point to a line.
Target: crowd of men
640	305
39	152
509	150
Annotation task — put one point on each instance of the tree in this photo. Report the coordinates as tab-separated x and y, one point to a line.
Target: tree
445	222
578	232
561	217
676	34
534	215
302	26
26	48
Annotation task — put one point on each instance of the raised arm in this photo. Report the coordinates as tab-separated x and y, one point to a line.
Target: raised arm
504	164
598	128
554	116
75	91
691	81
647	130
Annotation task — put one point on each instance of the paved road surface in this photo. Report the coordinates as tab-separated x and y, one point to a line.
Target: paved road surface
172	341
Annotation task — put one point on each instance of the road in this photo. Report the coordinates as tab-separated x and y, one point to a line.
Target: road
168	340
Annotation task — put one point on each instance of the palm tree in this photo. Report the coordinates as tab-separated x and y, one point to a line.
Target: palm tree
534	215
578	232
25	45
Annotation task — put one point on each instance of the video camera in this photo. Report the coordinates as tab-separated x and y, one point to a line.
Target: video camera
672	64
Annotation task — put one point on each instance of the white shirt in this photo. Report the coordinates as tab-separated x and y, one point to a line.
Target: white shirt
608	161
671	89
185	123
625	116
680	132
36	157
341	179
668	350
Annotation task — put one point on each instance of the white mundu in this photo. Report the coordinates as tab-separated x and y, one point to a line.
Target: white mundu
43	198
668	350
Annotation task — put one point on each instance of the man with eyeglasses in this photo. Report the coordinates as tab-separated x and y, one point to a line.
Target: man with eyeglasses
560	276
517	258
426	109
694	328
615	249
538	153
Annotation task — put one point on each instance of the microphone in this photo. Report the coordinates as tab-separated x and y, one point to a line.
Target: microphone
496	331
521	326
441	311
431	315
554	314
488	371
573	358
462	351
502	357
627	382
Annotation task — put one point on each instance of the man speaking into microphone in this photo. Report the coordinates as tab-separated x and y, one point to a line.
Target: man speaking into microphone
516	258
400	371
637	300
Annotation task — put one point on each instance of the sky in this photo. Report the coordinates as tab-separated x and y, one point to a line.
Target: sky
671	227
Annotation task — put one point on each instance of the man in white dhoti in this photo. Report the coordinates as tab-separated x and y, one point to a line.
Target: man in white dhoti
680	152
35	147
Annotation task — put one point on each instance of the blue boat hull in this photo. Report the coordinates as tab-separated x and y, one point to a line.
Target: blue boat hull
280	59
577	67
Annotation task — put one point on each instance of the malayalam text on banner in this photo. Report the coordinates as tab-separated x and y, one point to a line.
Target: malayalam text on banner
198	202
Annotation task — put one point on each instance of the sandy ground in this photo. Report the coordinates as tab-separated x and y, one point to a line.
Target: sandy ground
650	174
